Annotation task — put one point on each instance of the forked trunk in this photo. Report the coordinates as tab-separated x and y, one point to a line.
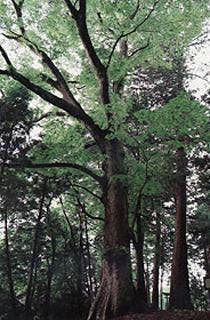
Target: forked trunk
116	292
179	291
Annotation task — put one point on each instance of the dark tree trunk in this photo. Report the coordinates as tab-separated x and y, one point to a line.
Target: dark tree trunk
147	281
116	292
207	268
161	288
208	274
50	271
34	255
156	269
88	256
85	286
179	291
141	292
8	265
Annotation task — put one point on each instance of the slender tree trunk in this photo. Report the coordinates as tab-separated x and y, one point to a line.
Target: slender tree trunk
207	268
116	293
179	291
29	291
82	258
87	246
156	269
161	288
141	292
147	280
50	271
8	265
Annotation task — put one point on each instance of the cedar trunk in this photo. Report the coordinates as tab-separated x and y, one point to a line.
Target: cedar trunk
116	291
179	291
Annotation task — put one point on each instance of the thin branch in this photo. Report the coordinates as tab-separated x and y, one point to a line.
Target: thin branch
47	115
132	16
113	50
144	20
82	206
198	76
140	49
124	35
86	189
52	165
67	218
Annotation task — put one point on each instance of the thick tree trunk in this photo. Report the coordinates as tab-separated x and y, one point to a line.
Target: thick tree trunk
116	292
179	291
156	269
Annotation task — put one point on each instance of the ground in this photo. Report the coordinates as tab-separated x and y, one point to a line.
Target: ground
167	315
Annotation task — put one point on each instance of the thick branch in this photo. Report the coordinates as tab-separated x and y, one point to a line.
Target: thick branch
100	69
71	109
72	9
60	84
18	10
52	165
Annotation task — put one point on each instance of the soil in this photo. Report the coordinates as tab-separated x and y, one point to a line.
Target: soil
168	315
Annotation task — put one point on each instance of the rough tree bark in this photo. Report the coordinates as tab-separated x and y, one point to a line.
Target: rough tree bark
116	293
179	291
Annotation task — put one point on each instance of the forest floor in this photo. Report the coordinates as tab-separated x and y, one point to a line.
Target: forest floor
169	315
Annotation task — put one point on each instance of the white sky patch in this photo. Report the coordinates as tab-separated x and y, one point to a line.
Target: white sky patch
198	63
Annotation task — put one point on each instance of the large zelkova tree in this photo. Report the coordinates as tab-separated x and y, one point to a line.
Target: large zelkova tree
101	42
